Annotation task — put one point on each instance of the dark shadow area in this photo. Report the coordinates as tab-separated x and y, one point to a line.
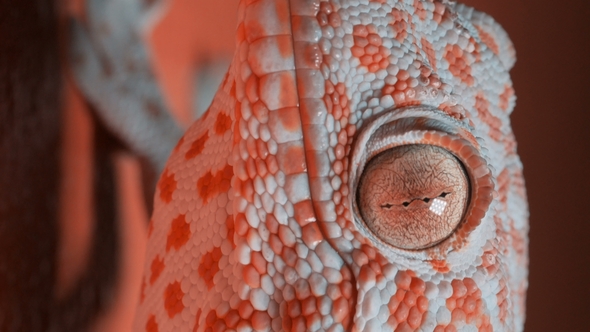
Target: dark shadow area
551	121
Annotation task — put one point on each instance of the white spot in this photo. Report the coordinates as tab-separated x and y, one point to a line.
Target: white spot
438	206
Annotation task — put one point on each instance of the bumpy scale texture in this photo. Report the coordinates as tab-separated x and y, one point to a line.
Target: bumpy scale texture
254	226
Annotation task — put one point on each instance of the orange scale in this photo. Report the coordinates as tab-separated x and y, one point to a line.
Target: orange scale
245	310
403	280
366	59
418	286
422	304
394	302
251	168
477	214
334	20
299	324
451	328
402	312
371	49
241	225
232	319
272	165
415	318
458	315
346	289
251	276
469	305
410	299
258	262
451	303
357	51
211	318
308	306
260	320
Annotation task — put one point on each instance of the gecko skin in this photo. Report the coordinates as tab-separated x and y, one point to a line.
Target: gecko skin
257	222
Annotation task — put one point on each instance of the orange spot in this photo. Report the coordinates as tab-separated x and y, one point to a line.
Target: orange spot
156	269
459	63
179	233
429	50
198	145
408	306
505	97
495	124
173	299
209	266
466	306
167	186
336	100
400	24
151	325
439	266
487	39
368	48
328	16
211	185
222	124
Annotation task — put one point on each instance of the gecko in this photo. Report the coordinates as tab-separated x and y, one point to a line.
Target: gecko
356	171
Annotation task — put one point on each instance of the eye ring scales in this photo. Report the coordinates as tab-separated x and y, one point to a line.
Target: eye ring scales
426	143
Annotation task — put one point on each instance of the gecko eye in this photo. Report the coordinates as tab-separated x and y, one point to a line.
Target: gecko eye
413	196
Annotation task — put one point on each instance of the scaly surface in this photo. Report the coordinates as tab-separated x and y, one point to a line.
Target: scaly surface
255	224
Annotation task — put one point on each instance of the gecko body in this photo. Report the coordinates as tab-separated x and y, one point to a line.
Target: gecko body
258	224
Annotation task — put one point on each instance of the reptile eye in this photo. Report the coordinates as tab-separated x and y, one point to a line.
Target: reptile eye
421	183
413	196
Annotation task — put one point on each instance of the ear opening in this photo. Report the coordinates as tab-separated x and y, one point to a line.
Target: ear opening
491	33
